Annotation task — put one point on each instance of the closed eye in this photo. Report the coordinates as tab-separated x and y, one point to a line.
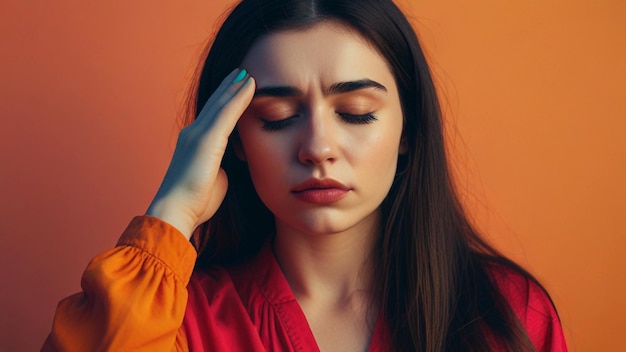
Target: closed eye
271	125
357	119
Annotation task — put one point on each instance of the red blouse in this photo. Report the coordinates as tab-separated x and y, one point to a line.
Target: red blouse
249	308
142	296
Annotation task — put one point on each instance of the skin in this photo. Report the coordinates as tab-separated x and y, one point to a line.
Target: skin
194	185
323	249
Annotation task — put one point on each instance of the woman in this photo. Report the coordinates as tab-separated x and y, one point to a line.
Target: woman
332	223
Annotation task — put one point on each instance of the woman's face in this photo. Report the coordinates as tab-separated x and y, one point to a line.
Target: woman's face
323	132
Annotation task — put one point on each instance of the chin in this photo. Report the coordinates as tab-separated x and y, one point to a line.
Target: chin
330	224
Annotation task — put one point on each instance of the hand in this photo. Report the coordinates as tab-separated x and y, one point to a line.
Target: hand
194	185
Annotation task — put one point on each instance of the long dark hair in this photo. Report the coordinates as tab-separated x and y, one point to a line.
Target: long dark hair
433	285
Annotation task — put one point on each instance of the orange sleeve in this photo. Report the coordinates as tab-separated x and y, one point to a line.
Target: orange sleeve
134	295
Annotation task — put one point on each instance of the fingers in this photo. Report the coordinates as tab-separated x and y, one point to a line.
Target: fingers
219	91
228	102
194	184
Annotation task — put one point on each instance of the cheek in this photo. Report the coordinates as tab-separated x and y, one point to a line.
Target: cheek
377	149
265	154
381	157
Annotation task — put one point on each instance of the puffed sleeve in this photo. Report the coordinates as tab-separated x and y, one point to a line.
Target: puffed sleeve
134	295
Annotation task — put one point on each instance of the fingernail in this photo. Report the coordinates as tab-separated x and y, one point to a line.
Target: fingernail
242	74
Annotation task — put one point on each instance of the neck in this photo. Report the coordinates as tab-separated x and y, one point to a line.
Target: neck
330	269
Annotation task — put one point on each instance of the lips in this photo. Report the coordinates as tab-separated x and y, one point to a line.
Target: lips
320	191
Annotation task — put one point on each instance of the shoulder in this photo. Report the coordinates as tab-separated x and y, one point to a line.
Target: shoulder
213	301
209	281
243	281
526	297
218	315
220	283
531	304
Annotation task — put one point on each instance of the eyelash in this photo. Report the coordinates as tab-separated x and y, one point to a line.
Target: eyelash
277	125
348	118
358	119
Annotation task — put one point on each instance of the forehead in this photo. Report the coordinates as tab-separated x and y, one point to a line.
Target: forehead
326	53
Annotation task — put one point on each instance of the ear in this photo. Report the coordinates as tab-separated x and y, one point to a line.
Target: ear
238	148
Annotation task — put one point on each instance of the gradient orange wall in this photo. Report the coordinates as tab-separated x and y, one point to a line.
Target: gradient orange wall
533	95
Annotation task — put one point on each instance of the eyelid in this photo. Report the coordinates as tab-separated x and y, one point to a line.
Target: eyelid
358	105
359	119
274	110
275	125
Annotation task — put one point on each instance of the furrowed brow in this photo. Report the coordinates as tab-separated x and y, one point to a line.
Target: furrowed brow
335	89
346	87
279	92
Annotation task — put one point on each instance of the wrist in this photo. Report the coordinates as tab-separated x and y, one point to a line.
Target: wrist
171	214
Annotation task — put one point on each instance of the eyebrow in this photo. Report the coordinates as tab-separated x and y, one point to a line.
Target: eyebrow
335	89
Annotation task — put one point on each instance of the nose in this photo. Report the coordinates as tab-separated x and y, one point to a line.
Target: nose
318	140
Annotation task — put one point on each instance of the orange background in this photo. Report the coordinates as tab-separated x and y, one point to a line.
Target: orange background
533	92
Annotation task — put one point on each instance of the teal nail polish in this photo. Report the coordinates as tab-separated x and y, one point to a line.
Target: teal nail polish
240	76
